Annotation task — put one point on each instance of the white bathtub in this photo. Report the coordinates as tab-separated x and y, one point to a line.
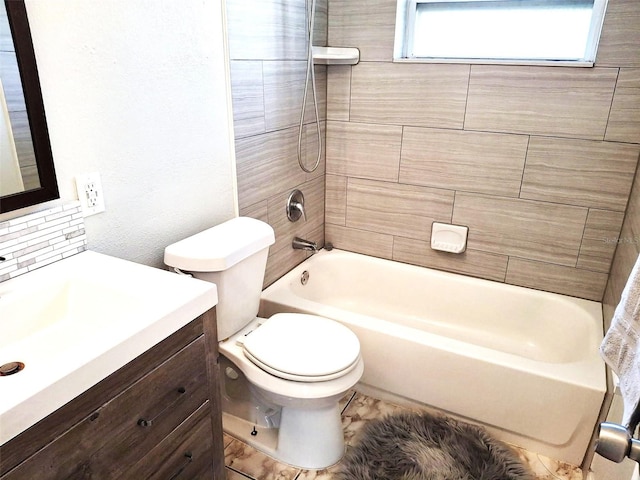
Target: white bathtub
524	363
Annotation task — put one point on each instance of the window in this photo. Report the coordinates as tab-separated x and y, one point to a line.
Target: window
509	31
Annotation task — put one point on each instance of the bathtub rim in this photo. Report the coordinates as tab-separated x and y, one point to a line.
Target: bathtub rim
591	368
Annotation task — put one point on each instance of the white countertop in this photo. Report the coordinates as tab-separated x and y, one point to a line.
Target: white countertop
76	321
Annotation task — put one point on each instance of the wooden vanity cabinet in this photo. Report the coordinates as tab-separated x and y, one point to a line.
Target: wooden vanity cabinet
158	417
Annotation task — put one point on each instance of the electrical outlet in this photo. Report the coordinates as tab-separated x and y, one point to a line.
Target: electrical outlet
90	193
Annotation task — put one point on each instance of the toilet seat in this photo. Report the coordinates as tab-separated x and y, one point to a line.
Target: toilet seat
301	347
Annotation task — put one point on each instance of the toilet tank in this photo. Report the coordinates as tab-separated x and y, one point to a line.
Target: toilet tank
233	255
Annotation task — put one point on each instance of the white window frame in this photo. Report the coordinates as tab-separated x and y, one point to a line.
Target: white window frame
404	35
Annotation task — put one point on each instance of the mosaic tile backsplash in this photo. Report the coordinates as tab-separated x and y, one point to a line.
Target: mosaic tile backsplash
38	239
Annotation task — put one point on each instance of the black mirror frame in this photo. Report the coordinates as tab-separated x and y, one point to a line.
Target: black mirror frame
21	33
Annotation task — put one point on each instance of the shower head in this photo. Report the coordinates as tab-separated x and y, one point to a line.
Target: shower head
615	443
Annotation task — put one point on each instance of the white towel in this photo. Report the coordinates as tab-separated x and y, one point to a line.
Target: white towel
620	348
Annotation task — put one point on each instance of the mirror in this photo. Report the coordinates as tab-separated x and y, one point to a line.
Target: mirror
27	174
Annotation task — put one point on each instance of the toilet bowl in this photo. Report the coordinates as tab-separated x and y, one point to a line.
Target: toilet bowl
282	377
307	418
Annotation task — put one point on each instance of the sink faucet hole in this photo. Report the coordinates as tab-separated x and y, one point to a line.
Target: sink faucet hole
10	368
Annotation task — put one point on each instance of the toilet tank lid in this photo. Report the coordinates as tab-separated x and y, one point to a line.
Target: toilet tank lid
220	247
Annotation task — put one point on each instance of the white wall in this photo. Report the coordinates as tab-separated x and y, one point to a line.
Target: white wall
137	90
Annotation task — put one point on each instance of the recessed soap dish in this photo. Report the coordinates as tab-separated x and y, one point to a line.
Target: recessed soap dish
449	238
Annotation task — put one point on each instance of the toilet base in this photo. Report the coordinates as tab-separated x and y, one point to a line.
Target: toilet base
311	438
307	438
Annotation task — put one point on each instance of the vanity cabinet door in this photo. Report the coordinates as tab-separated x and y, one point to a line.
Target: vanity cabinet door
116	436
187	453
37	437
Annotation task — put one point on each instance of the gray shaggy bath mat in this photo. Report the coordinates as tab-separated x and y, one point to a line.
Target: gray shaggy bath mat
412	446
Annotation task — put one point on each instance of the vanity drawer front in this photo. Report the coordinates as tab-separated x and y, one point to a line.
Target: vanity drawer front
110	440
48	429
187	453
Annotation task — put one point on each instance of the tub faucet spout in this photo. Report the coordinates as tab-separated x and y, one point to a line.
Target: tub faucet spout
301	244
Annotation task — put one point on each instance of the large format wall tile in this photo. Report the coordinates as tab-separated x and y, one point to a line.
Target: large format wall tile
396	209
580	172
247	92
282	257
461	159
624	120
409	94
339	92
556	278
626	256
360	241
370	26
268	48
283	260
537	214
321	95
627	249
535	230
266	29
620	35
599	240
284	87
266	164
310	151
286	230
471	262
257	210
320	31
335	199
469	161
364	150
283	91
632	216
557	101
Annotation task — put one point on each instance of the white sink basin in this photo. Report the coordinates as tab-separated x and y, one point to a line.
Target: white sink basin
74	322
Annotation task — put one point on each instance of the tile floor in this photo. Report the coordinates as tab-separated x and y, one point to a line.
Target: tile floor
244	462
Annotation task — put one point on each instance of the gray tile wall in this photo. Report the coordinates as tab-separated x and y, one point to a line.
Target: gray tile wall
38	239
627	248
538	161
268	60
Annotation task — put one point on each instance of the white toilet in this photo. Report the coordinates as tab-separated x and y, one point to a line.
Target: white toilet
282	377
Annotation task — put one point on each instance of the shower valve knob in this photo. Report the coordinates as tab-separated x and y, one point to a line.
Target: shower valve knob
295	206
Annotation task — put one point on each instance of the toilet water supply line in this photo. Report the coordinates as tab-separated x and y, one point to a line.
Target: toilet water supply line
309	75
